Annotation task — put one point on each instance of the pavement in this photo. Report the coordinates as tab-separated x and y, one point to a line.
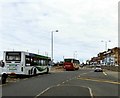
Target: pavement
57	69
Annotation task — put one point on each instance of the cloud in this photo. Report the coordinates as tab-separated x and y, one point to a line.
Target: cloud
82	24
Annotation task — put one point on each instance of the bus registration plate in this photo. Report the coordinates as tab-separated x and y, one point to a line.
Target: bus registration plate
12	67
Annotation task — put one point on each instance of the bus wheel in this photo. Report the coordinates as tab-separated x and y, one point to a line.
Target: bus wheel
4	77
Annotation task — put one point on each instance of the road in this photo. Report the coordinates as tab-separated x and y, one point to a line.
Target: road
83	82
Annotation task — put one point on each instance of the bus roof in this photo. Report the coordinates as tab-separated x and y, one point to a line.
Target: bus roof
71	58
39	56
32	54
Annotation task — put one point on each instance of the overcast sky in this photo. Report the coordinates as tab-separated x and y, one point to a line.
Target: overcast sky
82	24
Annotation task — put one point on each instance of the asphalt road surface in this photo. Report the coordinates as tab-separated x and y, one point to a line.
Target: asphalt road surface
83	82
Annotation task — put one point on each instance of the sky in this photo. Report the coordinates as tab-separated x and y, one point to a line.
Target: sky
26	25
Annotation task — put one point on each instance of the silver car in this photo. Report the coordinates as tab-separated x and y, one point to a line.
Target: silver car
98	69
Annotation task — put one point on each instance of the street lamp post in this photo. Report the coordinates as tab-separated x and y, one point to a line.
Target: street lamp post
106	50
52	46
106	44
75	54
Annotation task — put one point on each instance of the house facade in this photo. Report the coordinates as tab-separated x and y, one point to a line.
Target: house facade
109	57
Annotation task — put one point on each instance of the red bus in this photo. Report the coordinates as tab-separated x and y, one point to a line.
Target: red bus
71	64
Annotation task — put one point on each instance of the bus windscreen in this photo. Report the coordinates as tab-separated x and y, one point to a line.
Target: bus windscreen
68	60
13	56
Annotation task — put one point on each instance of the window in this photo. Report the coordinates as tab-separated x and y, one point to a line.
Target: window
28	60
13	56
68	60
35	61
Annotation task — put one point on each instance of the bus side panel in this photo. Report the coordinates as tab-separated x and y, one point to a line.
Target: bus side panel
23	61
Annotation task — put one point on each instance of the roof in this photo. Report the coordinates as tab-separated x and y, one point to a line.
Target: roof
32	54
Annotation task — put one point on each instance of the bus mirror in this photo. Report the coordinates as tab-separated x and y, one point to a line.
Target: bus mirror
2	64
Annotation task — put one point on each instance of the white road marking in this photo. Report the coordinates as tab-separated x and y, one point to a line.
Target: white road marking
67	80
43	91
104	73
84	73
63	82
58	85
90	90
25	79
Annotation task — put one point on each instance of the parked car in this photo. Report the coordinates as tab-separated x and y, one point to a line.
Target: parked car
98	69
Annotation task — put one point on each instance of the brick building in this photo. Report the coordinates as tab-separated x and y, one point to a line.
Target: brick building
109	57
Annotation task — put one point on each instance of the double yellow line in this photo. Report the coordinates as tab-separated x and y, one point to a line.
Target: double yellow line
97	80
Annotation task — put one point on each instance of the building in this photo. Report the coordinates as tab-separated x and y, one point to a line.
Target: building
115	54
109	57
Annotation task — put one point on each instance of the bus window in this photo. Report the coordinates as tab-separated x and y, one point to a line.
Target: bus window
39	62
76	61
35	62
45	62
32	61
68	60
28	60
13	56
42	62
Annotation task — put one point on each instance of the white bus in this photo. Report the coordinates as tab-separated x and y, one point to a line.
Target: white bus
24	63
